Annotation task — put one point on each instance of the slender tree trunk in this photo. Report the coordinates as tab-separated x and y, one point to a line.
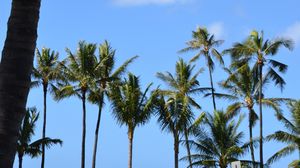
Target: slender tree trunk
176	149
188	147
251	137
15	70
212	88
20	161
130	138
97	130
83	130
260	119
222	165
45	87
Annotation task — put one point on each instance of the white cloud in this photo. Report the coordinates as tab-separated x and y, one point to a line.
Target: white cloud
217	29
293	32
146	2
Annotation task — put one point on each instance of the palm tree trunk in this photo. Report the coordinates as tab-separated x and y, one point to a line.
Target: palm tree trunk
15	70
251	138
260	119
212	88
188	147
83	130
130	138
97	131
176	149
45	87
20	161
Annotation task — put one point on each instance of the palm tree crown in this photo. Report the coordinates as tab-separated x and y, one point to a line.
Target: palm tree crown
220	143
46	70
255	47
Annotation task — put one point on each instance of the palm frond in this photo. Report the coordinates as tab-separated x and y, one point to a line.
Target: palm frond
282	136
281	153
280	66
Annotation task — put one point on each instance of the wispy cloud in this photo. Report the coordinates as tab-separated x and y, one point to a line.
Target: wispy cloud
146	2
293	32
217	29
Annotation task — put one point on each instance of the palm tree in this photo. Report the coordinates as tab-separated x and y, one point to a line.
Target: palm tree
291	137
131	107
242	89
184	83
104	74
24	144
173	118
259	49
15	69
220	143
78	72
45	73
205	43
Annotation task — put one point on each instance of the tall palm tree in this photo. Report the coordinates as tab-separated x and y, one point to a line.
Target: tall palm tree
291	137
205	44
218	143
259	49
24	144
45	73
78	71
183	83
131	107
173	118
15	70
105	73
242	89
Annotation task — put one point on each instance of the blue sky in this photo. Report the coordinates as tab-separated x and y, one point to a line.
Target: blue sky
155	30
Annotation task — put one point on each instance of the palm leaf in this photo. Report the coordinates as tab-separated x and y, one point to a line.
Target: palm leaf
282	153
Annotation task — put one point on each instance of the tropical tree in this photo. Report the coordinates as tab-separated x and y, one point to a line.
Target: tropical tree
183	83
104	73
255	47
291	137
218	143
173	118
130	106
78	71
46	72
242	89
205	43
24	144
15	70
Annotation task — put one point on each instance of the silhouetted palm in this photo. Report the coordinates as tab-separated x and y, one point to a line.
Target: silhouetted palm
130	106
259	49
184	84
46	72
291	137
24	144
78	71
104	73
205	44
